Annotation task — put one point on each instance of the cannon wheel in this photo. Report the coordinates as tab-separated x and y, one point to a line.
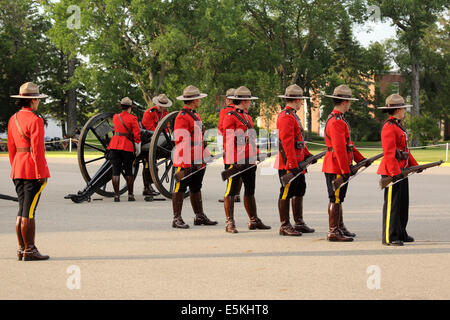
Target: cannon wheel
161	164
95	136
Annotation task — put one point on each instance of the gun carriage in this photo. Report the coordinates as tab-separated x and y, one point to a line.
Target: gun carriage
96	169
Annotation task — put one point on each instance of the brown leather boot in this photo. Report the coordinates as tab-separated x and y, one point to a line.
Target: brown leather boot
228	203
297	211
250	207
342	227
177	205
130	187
334	233
28	228
19	238
197	206
116	185
286	228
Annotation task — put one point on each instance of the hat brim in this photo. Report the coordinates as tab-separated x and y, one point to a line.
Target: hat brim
131	106
41	96
400	107
341	98
289	97
167	105
242	98
200	96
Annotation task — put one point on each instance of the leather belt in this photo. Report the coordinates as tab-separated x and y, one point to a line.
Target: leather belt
24	149
350	148
120	134
299	144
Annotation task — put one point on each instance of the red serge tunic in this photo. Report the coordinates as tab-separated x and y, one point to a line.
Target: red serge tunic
237	137
188	136
339	156
122	142
222	115
152	117
394	137
290	133
27	165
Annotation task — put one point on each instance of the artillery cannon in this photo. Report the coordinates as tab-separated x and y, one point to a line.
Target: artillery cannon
96	169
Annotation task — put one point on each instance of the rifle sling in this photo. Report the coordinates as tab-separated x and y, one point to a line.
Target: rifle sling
129	135
20	129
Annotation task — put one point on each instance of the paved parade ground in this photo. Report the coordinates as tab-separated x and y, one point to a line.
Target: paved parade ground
129	250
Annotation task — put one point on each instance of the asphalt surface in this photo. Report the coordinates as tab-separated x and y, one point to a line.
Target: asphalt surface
130	251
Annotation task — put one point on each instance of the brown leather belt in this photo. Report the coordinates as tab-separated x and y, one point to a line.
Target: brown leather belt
25	149
120	134
349	149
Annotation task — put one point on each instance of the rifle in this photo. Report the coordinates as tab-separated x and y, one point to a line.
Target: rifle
187	172
289	177
384	182
339	182
5	197
232	172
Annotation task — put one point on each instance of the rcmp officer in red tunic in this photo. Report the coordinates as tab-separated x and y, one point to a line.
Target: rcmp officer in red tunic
292	150
29	170
150	121
189	155
241	150
340	155
397	156
229	107
124	146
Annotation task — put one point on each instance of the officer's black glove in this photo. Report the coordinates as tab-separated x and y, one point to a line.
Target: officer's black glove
295	171
397	177
368	163
346	176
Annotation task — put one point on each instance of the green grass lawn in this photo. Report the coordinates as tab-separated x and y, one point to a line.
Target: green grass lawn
430	154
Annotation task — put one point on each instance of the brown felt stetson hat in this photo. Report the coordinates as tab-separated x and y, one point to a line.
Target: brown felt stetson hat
29	91
191	93
293	92
342	92
126	102
395	101
162	101
243	93
230	93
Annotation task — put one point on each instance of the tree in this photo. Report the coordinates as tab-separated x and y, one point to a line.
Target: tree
412	18
22	50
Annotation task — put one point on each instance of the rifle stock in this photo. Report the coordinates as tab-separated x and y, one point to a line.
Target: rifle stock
226	174
384	182
302	166
354	170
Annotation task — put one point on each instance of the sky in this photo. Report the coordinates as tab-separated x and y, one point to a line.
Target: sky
373	32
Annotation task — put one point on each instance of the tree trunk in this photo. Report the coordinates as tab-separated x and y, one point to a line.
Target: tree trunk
71	102
309	115
63	128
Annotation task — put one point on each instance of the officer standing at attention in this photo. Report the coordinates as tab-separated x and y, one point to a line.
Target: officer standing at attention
292	150
29	170
397	156
150	121
241	151
341	153
124	146
189	151
230	106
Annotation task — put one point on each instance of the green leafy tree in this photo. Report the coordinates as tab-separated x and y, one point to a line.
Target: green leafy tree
412	18
22	50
